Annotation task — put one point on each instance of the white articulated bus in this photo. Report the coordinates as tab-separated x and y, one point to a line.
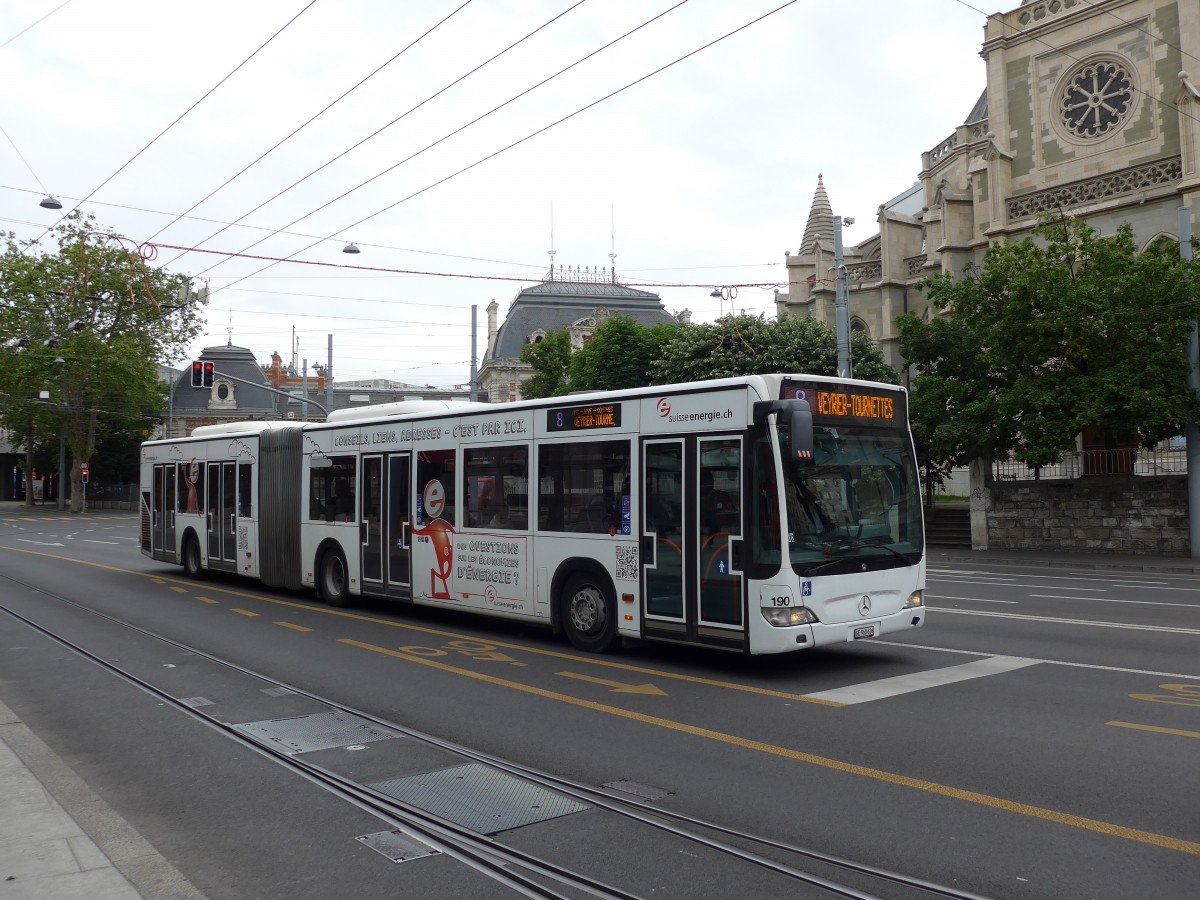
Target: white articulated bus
759	514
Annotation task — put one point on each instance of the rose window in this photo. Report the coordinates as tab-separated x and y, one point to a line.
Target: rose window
1096	99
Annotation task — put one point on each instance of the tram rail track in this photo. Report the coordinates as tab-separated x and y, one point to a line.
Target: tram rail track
523	873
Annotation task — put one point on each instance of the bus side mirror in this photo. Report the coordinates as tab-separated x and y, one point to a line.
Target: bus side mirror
800	432
799	422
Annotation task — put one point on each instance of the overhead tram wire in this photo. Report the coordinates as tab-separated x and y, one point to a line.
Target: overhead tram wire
300	234
461	128
32	24
24	160
276	260
1138	27
179	118
308	122
375	133
534	134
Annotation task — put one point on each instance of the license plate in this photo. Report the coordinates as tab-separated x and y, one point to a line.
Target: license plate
863	631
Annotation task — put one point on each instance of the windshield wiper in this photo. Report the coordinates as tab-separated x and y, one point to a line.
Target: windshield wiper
846	543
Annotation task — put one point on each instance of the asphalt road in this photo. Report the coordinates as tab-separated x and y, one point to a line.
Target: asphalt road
1040	738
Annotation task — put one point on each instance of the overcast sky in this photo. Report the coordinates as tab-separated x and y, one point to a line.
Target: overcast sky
706	169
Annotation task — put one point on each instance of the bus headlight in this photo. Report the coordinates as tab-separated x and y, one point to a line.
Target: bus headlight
915	601
782	617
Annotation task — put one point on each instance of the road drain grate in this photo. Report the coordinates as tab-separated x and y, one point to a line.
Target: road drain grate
397	846
641	791
321	731
479	798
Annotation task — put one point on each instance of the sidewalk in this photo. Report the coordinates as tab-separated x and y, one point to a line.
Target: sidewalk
1104	562
59	841
48	509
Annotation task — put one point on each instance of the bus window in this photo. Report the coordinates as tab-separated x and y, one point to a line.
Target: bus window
497	487
331	491
191	487
435	486
581	486
245	490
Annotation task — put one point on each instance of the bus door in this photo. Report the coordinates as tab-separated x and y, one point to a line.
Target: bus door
371	520
168	518
385	522
399	539
162	527
692	501
222	515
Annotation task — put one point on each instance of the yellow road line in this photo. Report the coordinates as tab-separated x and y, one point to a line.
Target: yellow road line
244	612
293	627
1095	825
537	651
180	590
207	600
931	787
1159	729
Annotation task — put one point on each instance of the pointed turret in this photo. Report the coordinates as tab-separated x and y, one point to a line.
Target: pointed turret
820	221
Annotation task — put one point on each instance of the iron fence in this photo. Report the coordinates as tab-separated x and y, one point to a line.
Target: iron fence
1159	461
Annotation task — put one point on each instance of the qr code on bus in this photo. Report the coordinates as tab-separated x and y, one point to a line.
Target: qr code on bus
627	562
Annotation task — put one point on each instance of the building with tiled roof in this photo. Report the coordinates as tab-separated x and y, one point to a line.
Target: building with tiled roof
578	300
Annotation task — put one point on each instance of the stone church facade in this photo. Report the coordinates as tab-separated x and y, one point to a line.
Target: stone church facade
1089	110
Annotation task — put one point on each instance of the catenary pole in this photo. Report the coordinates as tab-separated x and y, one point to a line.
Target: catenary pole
1191	431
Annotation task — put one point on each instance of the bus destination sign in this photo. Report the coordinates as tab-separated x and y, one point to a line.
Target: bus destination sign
584	418
850	403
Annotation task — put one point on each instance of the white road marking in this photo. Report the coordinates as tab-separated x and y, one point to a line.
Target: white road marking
90	541
1049	587
1056	621
972	599
1112	600
919	681
1049	662
43	543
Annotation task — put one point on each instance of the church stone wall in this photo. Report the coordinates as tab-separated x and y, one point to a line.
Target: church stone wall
1109	513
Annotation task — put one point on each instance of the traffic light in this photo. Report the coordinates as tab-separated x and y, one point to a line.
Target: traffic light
208	374
197	374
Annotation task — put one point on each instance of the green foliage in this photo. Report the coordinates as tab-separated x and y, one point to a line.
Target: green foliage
1060	331
95	323
625	354
619	355
752	345
551	361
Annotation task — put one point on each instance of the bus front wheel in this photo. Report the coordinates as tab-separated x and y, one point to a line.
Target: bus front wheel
589	614
334	583
191	558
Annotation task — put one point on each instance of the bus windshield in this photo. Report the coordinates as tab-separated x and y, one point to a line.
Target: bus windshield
856	505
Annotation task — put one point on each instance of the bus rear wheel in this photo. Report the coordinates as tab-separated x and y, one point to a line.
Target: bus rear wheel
333	582
192	567
589	614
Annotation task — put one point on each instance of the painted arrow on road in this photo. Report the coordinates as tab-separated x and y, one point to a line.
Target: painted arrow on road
617	687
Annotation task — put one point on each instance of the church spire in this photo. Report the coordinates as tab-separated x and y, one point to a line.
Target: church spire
820	221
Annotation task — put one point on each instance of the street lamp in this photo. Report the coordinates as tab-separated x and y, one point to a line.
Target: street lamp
50	202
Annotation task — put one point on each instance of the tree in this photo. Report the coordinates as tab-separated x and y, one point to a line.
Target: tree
619	355
551	361
750	345
88	324
1060	331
